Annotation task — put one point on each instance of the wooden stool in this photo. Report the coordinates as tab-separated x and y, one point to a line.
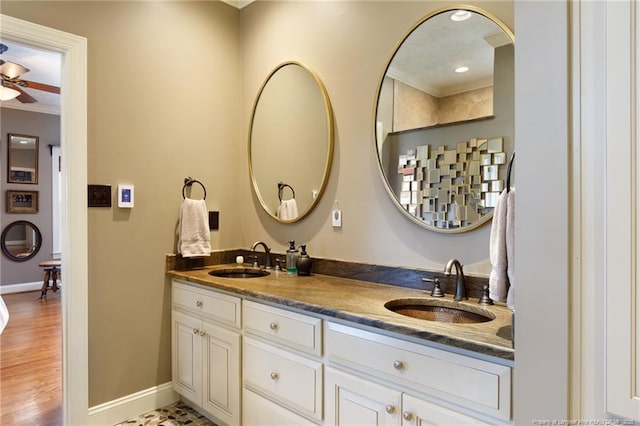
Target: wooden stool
52	272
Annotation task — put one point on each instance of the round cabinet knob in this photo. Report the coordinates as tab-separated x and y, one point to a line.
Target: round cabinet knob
390	409
199	303
407	416
398	365
202	333
275	376
273	326
196	331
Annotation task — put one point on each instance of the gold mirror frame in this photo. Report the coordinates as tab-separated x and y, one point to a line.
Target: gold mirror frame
290	157
453	144
22	158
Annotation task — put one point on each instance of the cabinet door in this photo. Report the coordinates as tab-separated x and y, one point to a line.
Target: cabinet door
421	413
221	390
351	400
187	355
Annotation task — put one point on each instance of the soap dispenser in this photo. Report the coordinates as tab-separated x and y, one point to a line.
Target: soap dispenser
303	264
292	256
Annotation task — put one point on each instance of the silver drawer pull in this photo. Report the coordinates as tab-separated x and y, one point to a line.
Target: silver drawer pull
202	333
407	415
275	376
273	326
199	303
398	365
390	409
196	331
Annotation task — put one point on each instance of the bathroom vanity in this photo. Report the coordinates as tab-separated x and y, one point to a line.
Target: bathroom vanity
282	349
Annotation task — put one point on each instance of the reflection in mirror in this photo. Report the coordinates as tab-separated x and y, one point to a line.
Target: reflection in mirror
444	119
21	240
22	159
290	142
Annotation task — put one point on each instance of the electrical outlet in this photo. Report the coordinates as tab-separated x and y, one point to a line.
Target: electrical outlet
336	218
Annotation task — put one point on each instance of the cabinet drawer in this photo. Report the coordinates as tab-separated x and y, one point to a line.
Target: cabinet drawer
470	383
259	411
288	328
220	307
289	379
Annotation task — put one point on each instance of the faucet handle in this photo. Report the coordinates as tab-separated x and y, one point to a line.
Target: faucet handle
436	291
485	300
278	268
255	262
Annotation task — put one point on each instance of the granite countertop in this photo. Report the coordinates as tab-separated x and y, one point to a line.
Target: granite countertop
362	302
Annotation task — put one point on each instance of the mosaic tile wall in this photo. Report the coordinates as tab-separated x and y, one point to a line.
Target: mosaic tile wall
452	188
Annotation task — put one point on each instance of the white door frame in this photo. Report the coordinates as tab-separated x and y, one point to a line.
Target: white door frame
73	128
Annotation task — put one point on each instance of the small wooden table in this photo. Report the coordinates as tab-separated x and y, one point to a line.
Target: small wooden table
52	271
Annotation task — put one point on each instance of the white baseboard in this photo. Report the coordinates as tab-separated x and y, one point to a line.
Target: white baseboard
131	406
19	288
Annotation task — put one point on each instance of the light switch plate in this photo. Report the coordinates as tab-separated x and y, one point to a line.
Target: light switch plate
125	196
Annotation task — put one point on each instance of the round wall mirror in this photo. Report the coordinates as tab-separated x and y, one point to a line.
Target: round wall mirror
291	142
21	240
444	119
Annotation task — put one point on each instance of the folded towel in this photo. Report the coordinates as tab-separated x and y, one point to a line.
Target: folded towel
502	249
288	209
4	315
194	238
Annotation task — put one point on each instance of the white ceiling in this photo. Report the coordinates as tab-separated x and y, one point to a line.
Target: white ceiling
44	67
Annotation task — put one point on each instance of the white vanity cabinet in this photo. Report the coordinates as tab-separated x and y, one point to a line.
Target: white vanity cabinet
206	350
282	366
391	381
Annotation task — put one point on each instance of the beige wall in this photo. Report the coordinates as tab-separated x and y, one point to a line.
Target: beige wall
164	86
348	44
171	86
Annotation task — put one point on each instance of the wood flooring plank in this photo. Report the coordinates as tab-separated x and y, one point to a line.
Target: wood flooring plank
31	360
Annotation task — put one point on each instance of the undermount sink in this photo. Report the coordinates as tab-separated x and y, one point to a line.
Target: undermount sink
239	273
440	310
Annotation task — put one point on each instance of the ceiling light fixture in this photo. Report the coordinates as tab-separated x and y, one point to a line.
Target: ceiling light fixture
7	93
460	70
460	15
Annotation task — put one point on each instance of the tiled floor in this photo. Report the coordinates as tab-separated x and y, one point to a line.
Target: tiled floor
171	415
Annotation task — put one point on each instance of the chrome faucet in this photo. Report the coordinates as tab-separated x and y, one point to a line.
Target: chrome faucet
267	253
461	291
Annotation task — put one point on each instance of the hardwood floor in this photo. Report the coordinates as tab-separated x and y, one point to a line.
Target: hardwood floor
31	360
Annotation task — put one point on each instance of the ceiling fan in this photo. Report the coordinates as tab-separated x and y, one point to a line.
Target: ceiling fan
10	73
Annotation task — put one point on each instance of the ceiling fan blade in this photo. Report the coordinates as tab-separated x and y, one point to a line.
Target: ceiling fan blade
11	69
24	97
39	86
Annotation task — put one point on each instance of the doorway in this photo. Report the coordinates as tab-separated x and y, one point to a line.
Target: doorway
73	215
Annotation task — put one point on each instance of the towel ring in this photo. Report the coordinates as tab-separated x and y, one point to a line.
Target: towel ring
513	156
188	181
281	186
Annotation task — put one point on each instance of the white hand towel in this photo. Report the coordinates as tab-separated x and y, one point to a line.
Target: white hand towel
194	235
288	209
4	315
502	249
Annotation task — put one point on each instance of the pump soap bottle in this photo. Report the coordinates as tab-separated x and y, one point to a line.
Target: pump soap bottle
303	264
292	256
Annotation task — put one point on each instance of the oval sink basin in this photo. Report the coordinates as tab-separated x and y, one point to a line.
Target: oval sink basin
440	310
239	273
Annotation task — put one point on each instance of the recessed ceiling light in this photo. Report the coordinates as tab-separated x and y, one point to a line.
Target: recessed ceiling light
461	69
460	15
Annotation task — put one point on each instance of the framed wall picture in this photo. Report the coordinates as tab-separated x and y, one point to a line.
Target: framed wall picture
22	201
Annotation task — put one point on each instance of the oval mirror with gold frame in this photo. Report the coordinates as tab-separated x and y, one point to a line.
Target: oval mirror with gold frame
444	119
291	141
